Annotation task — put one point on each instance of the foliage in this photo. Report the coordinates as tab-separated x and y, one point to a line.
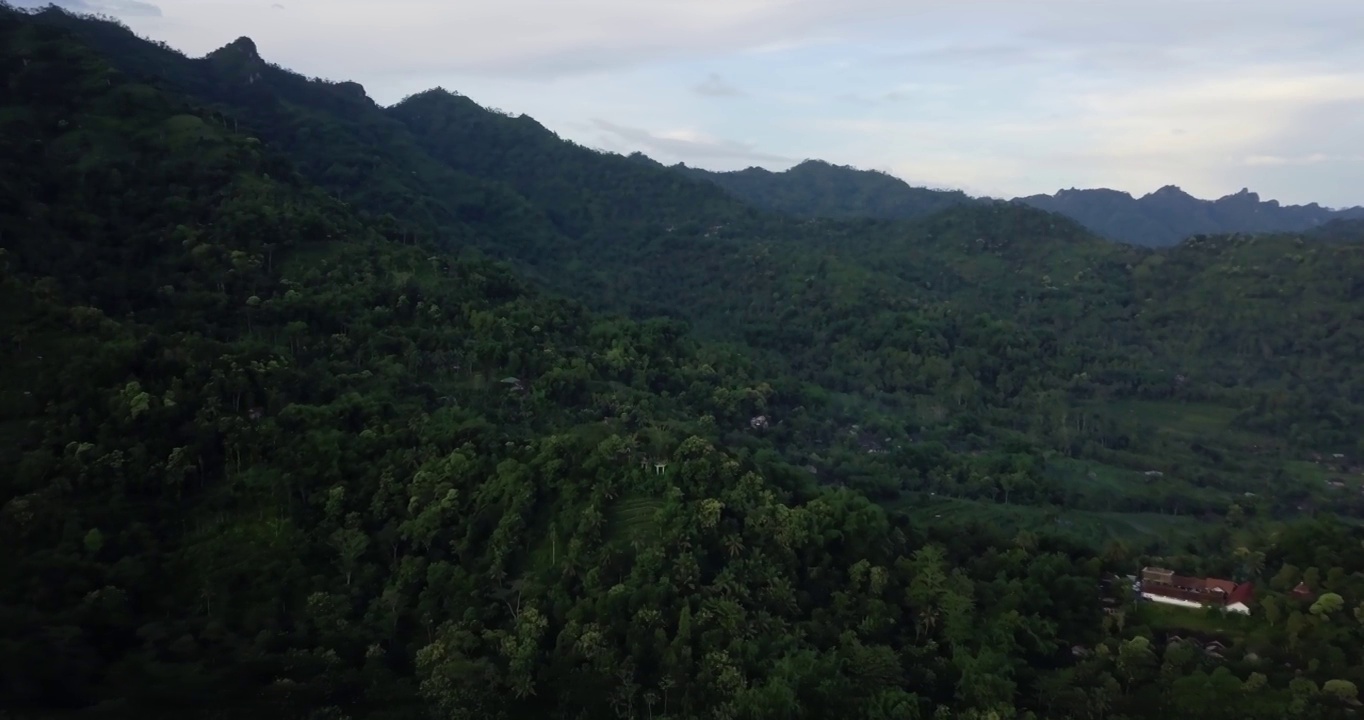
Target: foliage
266	457
284	440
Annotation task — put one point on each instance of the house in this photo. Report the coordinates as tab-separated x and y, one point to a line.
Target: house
1302	592
1164	586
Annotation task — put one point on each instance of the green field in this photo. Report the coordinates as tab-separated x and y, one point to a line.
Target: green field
1186	423
632	519
1171	619
1091	527
1191	420
1187	439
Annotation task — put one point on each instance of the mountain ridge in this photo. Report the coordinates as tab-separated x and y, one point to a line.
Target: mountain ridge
1162	217
817	188
625	233
1169	214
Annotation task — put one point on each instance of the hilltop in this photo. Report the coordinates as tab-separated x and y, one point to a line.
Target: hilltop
815	188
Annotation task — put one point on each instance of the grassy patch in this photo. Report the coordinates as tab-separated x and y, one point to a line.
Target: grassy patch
1094	528
632	519
1095	480
1203	622
1307	471
1186	421
1314	476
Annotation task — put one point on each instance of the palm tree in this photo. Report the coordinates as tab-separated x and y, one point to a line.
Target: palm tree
735	544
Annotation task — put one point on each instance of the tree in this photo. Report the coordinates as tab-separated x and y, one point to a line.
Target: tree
1135	659
1342	690
1327	604
1269	606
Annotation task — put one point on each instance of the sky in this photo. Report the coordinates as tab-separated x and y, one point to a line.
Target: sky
994	97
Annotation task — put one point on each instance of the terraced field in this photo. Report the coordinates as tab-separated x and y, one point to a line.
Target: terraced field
1095	528
632	519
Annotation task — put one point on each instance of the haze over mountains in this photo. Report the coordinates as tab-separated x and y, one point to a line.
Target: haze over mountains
1161	218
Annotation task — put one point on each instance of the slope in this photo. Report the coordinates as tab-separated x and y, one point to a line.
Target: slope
344	142
977	326
271	461
1276	311
987	325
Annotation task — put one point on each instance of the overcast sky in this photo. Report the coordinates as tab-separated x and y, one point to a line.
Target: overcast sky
998	97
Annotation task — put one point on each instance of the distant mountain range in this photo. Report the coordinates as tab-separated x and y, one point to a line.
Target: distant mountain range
1165	217
1169	214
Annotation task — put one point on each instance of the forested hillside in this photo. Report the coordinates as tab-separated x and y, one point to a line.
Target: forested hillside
265	456
911	348
816	189
282	440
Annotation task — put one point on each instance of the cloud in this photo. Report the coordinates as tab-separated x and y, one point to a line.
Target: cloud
1273	160
965	54
921	93
1017	97
113	8
502	38
715	86
790	45
681	145
1201	132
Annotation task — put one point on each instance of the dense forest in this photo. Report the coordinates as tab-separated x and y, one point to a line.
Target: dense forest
324	409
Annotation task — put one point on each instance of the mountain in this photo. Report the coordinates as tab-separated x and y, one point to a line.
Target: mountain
1342	231
286	441
822	301
268	457
1169	214
818	189
869	312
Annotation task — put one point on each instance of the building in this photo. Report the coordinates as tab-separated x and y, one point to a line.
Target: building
1164	586
1302	592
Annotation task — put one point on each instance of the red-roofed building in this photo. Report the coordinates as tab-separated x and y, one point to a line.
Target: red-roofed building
1239	599
1164	586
